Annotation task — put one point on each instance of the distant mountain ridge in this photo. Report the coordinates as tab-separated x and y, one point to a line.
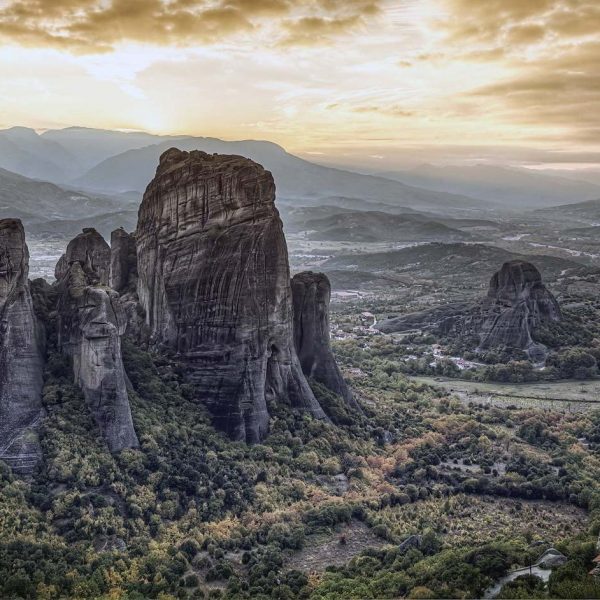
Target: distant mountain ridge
124	162
42	201
295	177
112	162
510	187
374	226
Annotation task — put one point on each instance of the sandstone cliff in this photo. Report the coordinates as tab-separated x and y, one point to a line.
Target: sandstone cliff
215	284
311	295
90	325
21	354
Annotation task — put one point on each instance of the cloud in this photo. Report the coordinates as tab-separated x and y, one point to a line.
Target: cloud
310	30
547	55
92	26
394	110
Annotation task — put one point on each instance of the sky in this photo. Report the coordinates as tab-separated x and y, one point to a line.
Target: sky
373	82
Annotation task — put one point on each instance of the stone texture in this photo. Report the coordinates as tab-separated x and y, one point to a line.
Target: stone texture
311	294
441	319
123	261
21	354
214	282
91	251
517	303
91	322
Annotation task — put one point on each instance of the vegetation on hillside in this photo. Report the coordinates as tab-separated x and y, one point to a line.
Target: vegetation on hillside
192	514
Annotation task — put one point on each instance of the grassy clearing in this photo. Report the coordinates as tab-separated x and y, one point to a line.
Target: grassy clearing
568	396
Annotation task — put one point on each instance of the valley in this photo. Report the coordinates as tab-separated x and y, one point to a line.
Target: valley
188	442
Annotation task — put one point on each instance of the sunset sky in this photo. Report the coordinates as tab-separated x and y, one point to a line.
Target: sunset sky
511	81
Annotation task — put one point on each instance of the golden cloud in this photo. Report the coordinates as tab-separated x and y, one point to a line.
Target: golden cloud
90	26
549	57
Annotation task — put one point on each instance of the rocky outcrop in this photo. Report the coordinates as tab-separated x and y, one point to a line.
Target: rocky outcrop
91	251
123	261
440	319
311	294
517	303
21	354
90	325
214	282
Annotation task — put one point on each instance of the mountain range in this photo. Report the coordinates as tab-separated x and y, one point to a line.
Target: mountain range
506	186
115	162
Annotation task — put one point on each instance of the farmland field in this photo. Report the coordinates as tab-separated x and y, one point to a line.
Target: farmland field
561	395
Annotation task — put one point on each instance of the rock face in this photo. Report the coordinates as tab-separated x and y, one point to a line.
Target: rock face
93	255
123	261
91	322
311	294
21	354
440	319
517	303
215	284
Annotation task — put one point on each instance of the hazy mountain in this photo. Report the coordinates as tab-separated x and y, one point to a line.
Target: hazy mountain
372	226
286	203
589	175
512	188
580	211
36	202
441	259
23	151
295	177
92	146
104	223
116	162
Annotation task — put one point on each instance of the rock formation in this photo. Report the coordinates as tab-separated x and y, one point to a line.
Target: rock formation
516	304
93	255
21	354
215	285
91	322
311	293
123	261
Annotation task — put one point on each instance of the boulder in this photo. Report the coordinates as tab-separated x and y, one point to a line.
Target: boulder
91	322
214	282
21	354
311	294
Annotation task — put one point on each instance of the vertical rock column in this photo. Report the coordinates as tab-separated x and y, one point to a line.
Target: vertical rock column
311	294
91	323
21	354
215	284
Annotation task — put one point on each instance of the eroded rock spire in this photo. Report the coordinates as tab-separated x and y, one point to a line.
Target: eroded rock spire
214	281
91	322
21	354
